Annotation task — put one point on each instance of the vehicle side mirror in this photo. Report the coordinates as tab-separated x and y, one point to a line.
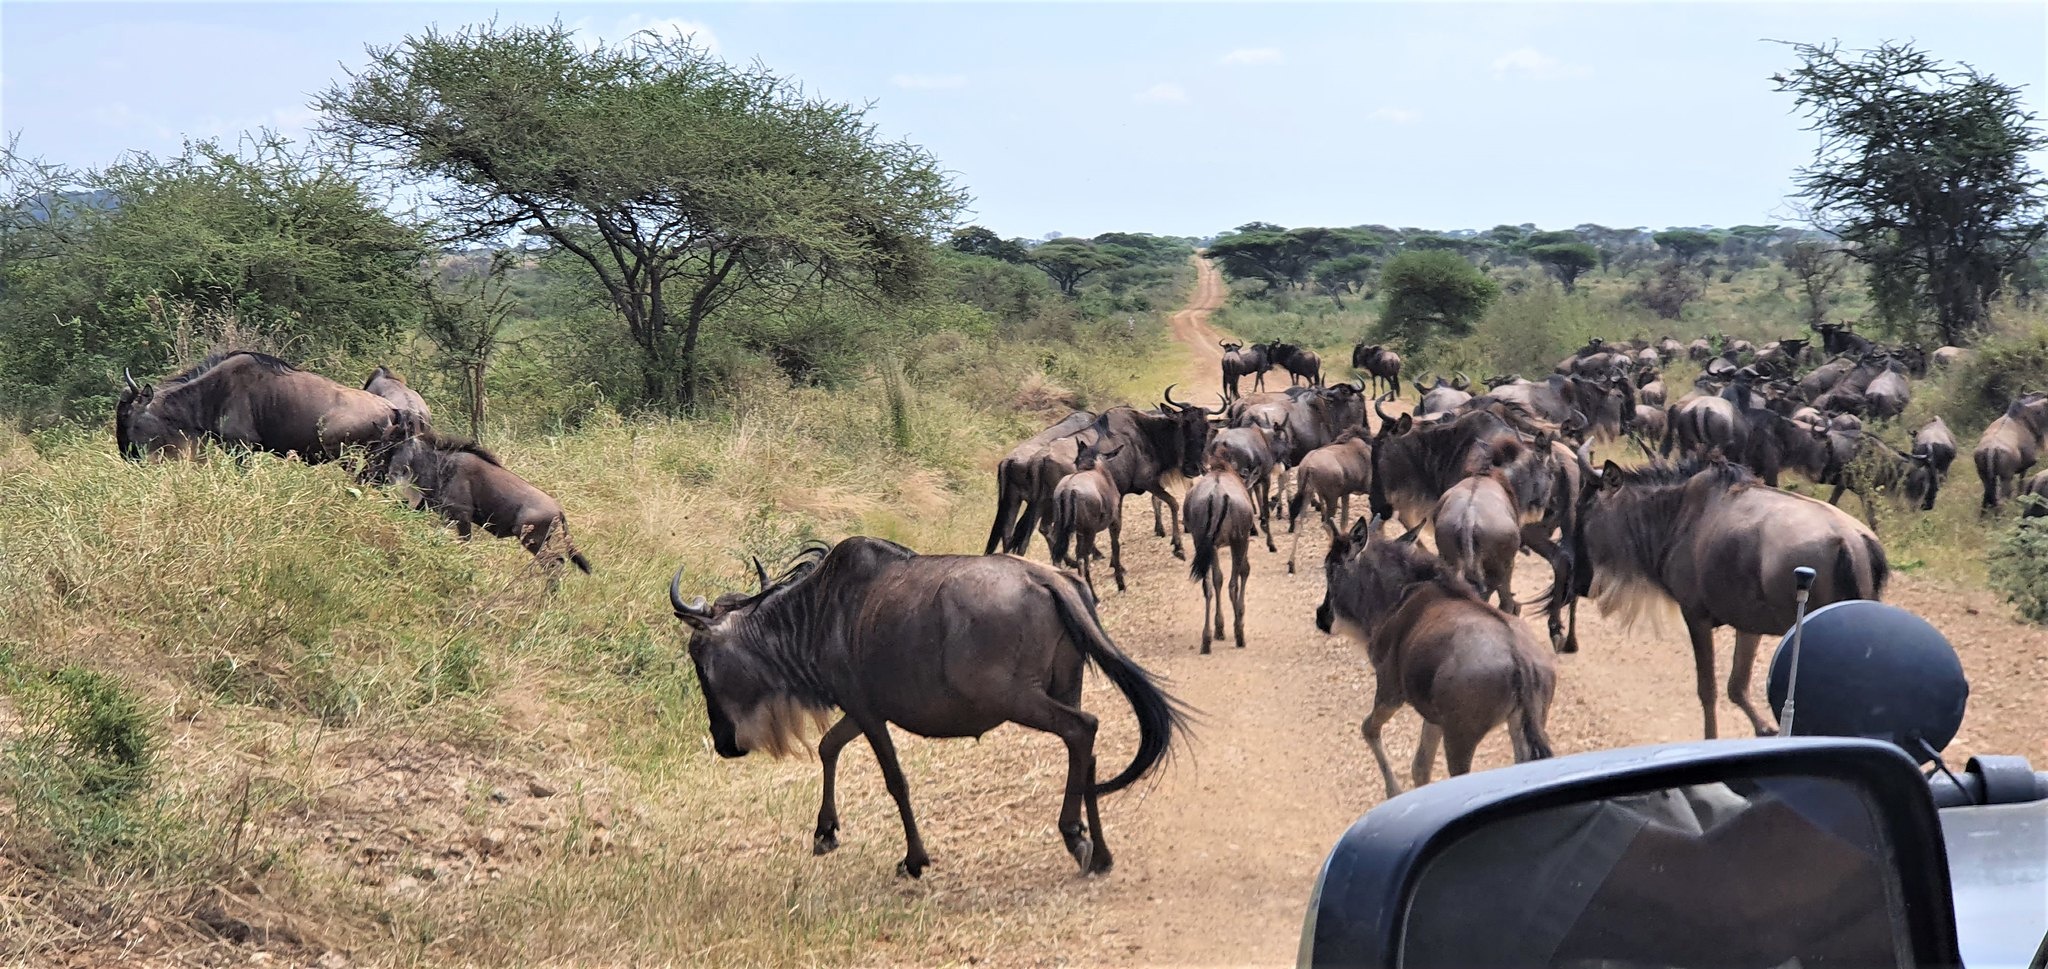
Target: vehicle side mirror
1773	852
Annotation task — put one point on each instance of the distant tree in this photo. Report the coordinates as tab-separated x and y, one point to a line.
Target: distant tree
1686	245
467	319
978	241
1818	267
1566	260
1925	170
1432	294
1344	274
1286	258
682	181
1667	291
1068	260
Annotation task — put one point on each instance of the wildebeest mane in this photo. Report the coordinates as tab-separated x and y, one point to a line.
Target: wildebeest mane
381	371
203	367
447	444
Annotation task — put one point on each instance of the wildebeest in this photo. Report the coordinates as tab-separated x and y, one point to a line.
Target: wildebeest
403	399
1153	450
1443	396
1700	350
1381	364
253	400
1650	388
1254	451
1706	536
1219	513
1824	377
2011	445
1670	348
1887	394
1084	505
1946	357
1434	644
1302	364
1607	403
1312	417
1017	512
1413	465
1478	530
1651	423
1838	338
2038	487
1869	465
1933	437
1783	355
940	645
1245	361
1329	476
468	486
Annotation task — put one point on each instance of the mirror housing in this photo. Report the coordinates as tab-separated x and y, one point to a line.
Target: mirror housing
1361	904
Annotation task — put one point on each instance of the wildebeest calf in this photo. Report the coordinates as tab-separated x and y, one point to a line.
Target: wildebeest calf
1434	644
1085	504
405	400
1219	512
469	487
1329	476
1478	530
940	645
2010	446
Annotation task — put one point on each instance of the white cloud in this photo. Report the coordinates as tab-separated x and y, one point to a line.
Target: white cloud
1162	93
1530	62
1394	115
1253	56
929	82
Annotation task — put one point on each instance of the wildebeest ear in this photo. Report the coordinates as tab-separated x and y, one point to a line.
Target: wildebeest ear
1363	530
1404	425
1408	537
1610	473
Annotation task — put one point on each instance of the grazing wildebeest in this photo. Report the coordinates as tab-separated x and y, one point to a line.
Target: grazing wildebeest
940	645
1933	437
1783	355
1887	394
1709	538
1084	505
1826	376
1608	403
1381	364
1478	530
468	486
1244	361
403	399
1735	350
1946	357
1254	451
252	400
1219	513
1649	357
1016	484
1650	388
1302	364
1700	350
1868	464
1154	451
1329	476
2011	445
1914	357
1434	644
2038	487
1838	338
1651	423
1443	396
1670	348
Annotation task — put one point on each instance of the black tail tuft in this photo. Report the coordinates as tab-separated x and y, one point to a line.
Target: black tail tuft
1845	572
581	562
1062	530
1296	503
1205	548
1161	718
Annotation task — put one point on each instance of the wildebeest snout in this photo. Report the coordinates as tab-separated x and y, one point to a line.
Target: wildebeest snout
1323	616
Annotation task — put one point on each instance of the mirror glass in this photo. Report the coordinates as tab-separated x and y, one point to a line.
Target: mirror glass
1758	872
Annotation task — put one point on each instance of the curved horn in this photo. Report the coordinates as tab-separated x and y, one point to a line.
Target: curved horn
1167	394
1378	408
760	574
675	598
1463	382
130	379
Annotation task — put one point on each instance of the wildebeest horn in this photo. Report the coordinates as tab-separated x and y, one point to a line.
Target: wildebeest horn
1167	394
760	574
130	378
1463	382
683	609
1377	407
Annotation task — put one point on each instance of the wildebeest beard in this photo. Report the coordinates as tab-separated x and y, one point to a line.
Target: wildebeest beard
1636	524
777	647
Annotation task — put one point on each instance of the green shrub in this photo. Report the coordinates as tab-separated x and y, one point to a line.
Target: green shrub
2019	566
83	752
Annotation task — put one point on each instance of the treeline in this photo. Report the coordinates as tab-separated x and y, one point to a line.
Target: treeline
641	224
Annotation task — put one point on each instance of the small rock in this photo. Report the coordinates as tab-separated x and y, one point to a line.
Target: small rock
498	795
403	884
539	788
331	960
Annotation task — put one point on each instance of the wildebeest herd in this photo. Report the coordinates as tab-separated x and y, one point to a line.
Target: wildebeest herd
250	401
953	646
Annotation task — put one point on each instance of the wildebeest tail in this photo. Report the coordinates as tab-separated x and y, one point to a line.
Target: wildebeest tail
1987	474
1160	716
1295	503
1532	688
1205	545
1062	534
574	556
1846	579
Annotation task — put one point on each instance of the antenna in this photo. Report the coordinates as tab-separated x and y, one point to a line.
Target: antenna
1802	578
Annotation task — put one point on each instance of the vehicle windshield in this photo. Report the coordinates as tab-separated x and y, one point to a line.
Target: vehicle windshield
1770	872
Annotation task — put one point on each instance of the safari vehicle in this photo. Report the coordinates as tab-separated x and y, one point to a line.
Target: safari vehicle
1825	849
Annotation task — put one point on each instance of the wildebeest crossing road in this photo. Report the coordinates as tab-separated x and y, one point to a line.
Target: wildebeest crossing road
1216	856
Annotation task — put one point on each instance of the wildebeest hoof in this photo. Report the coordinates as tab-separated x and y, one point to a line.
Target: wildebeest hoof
913	870
1766	731
1180	553
1083	851
1290	568
824	843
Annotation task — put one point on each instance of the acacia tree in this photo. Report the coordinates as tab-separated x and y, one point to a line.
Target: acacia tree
1817	267
1923	168
1566	260
1432	293
1686	245
1068	260
1344	274
680	180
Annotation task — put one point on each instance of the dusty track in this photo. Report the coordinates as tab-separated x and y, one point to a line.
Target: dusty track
1215	857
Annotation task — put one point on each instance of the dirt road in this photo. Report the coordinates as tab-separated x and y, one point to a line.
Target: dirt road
1215	856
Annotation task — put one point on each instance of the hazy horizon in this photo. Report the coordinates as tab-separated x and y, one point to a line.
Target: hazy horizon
1177	119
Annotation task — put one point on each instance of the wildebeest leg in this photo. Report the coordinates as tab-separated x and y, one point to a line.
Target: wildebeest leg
1386	702
1344	517
1458	750
1504	584
1158	495
1266	512
1702	633
1212	605
1869	510
1425	753
1077	728
914	858
462	527
1158	527
1293	546
1084	552
1240	573
1740	665
1835	497
1116	552
826	838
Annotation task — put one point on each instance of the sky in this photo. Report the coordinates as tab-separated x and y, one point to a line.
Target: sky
1178	118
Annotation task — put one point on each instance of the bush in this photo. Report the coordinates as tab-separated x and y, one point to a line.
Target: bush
83	751
2019	566
1432	295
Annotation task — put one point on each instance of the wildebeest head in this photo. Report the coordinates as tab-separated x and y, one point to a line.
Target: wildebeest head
133	424
735	641
1191	423
1365	574
1084	460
